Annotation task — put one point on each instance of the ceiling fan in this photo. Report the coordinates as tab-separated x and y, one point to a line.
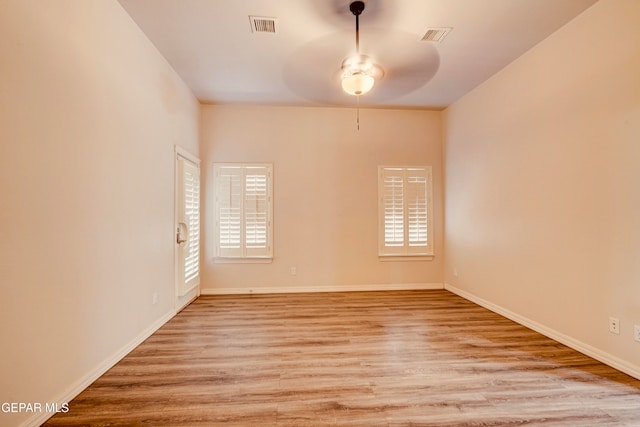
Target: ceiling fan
358	72
388	63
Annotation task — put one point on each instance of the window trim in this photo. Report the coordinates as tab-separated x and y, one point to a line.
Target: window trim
405	253
244	257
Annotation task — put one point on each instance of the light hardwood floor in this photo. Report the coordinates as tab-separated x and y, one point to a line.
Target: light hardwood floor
410	358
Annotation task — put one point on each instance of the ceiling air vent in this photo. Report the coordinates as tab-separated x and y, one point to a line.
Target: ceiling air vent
262	24
436	34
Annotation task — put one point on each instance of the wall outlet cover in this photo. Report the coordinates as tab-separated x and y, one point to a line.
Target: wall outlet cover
614	325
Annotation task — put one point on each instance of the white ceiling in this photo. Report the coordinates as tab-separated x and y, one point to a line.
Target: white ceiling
211	46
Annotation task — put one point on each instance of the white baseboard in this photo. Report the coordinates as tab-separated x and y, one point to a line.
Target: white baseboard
575	344
322	288
76	388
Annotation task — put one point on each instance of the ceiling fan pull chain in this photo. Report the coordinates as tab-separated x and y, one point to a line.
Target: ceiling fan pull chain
358	112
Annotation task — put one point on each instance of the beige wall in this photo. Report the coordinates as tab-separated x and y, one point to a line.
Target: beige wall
542	184
89	115
325	193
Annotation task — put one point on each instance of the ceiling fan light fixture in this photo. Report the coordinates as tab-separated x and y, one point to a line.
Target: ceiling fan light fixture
357	83
359	75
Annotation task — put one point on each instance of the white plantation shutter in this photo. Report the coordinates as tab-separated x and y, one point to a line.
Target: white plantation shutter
393	205
256	212
243	210
417	209
405	211
192	216
229	210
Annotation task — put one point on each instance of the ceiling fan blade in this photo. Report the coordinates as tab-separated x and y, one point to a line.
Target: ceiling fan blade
312	73
408	63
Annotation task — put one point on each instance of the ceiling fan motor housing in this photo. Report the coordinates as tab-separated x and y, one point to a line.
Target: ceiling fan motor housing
356	7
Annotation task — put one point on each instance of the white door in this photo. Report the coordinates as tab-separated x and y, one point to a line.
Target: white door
187	227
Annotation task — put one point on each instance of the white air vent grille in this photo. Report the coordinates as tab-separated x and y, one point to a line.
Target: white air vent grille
436	35
262	24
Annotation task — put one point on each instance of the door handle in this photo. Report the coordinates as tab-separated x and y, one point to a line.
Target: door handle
181	233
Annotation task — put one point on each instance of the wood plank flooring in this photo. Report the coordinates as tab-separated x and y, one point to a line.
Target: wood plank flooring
410	358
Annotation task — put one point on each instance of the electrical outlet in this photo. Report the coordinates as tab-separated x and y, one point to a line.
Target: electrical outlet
455	272
154	298
636	332
614	325
293	271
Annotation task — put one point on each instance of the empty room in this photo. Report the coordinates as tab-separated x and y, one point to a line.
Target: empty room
320	212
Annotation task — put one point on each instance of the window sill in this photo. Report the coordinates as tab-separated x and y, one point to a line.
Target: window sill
220	260
403	258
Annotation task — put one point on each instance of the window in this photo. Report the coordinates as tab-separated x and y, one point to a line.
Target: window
405	212
243	210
